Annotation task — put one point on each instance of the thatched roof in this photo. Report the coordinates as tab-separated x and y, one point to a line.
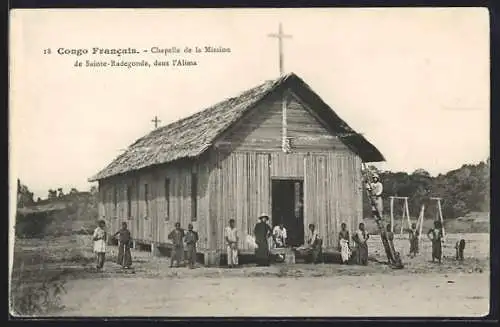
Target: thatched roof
193	135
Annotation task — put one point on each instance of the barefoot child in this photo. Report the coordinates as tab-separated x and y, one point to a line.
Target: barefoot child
345	252
124	244
177	237
460	247
360	238
191	238
413	237
436	235
100	239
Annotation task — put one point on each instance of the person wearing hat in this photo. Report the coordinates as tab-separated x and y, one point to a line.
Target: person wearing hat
376	189
262	232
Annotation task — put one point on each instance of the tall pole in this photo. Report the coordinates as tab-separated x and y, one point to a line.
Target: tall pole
280	36
280	46
284	141
421	220
407	208
392	214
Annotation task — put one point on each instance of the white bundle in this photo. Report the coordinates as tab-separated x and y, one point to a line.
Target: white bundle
251	242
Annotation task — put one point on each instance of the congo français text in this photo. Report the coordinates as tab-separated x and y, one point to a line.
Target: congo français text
97	51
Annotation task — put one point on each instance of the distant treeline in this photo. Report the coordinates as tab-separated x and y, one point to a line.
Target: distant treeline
463	190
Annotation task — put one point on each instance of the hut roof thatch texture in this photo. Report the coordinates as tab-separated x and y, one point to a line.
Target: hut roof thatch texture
193	135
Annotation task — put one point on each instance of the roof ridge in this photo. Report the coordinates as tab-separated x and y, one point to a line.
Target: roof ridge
191	136
213	106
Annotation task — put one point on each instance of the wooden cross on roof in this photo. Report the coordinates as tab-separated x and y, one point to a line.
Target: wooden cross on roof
280	36
156	121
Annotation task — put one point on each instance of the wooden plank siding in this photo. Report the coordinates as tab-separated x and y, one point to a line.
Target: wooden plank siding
260	130
153	224
240	189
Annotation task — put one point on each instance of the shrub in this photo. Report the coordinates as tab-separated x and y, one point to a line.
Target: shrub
38	298
32	226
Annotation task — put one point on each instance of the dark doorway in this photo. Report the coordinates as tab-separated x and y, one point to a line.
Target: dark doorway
287	208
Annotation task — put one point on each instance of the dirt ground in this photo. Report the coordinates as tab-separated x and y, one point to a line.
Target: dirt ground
153	289
378	295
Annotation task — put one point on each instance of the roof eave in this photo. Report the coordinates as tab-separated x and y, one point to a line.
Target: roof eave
100	176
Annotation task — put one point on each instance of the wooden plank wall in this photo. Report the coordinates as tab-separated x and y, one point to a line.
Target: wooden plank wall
238	186
240	189
157	225
332	193
260	130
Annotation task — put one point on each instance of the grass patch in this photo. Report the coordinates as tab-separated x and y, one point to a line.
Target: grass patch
40	270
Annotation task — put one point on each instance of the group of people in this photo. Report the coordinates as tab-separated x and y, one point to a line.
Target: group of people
100	238
435	234
360	239
179	237
265	238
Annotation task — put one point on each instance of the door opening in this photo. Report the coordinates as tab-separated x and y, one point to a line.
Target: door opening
287	208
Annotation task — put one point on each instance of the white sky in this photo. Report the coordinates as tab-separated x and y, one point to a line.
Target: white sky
414	81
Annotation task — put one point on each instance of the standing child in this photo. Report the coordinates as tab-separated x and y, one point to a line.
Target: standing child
345	252
436	235
460	247
231	238
177	237
124	244
191	238
360	238
100	238
413	237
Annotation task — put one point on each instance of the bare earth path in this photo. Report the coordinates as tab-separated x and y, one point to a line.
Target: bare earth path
429	294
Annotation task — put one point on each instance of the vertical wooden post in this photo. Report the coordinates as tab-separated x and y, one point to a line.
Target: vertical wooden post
392	214
284	141
421	220
441	217
154	249
403	214
407	213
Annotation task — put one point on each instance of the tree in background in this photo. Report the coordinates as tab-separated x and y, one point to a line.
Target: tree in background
462	190
24	196
52	194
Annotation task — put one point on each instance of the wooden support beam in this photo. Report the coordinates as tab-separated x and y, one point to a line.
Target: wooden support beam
284	135
392	214
421	220
439	214
407	214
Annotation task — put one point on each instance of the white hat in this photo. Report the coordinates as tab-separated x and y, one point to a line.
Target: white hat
263	215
